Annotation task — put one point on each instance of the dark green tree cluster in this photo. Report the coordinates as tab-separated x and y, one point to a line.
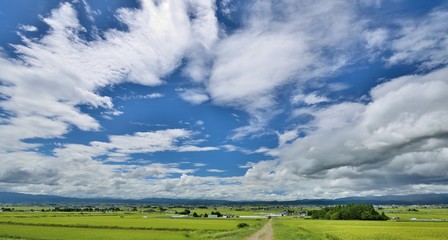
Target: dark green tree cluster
85	209
184	212
242	225
7	209
349	212
216	213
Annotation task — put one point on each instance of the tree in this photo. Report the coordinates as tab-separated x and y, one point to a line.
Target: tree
242	225
349	212
217	213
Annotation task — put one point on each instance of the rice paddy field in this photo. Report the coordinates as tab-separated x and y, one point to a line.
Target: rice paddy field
120	225
328	229
415	223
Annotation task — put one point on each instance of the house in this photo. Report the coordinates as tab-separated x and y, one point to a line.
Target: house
274	215
303	214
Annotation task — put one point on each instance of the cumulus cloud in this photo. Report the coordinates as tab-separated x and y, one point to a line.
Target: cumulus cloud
69	169
194	96
399	138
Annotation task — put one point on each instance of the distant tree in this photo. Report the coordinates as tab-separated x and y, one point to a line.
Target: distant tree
162	209
242	225
216	213
184	212
349	212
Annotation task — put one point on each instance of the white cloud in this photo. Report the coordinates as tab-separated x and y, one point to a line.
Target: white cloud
422	41
139	142
204	28
226	7
287	136
194	96
277	47
376	38
199	164
153	95
155	170
309	99
64	71
147	96
28	28
189	148
399	137
215	170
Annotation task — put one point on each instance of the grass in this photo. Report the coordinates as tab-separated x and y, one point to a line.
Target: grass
47	225
157	225
133	221
369	230
421	213
45	232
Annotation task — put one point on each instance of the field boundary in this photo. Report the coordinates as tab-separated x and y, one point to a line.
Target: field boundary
105	227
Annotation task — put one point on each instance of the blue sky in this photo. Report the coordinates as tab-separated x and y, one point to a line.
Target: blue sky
237	100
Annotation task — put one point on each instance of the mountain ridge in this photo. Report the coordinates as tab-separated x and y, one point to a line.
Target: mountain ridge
419	199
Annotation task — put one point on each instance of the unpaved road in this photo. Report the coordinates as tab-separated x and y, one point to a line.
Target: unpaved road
266	233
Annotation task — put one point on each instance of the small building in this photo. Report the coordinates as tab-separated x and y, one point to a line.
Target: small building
212	216
252	217
303	214
274	215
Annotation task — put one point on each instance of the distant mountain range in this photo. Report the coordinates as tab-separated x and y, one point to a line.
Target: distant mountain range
420	199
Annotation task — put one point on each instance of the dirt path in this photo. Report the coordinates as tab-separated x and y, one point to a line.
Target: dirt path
266	233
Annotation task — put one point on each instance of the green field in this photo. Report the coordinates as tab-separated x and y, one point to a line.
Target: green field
351	230
415	223
55	225
421	213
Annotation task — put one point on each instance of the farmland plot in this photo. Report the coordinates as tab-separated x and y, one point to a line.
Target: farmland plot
120	226
351	230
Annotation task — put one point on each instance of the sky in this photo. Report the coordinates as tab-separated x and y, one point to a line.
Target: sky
226	99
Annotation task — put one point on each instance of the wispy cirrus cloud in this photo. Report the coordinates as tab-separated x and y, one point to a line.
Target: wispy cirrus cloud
139	97
63	70
139	142
422	41
286	46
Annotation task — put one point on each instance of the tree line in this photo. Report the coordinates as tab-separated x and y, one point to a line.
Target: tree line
348	212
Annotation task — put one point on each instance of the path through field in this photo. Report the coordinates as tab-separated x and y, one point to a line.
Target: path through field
266	233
